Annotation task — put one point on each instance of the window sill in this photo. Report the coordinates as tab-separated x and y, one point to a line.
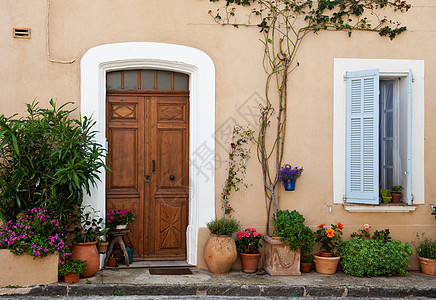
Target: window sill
401	208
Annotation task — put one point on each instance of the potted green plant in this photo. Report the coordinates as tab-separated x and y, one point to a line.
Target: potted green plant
88	230
396	193
112	261
288	176
220	249
306	262
331	241
119	219
71	270
293	234
248	245
427	255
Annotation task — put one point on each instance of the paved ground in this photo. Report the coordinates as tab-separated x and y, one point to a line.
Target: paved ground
139	282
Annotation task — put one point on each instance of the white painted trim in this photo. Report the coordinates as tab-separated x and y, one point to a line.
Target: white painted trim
201	70
387	67
379	208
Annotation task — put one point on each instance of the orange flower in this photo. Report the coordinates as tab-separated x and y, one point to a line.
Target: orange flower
321	225
340	226
330	233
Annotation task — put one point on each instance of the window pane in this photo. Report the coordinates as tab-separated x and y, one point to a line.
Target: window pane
113	80
147	79
163	80
180	81
131	80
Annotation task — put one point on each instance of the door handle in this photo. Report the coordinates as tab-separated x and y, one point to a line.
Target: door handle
153	162
172	177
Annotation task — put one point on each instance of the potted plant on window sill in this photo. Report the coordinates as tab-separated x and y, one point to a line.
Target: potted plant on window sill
248	245
330	239
396	193
282	257
289	175
220	251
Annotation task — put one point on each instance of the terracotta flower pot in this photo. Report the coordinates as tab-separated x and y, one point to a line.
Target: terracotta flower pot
103	247
111	262
88	252
396	197
305	267
250	262
326	265
220	253
428	266
71	277
325	254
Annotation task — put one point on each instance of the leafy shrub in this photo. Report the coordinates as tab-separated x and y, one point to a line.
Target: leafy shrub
374	257
73	266
223	226
48	159
292	231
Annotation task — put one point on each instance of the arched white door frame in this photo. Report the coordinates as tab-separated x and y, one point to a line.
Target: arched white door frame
99	60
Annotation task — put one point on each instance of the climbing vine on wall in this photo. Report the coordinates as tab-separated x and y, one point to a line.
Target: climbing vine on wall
283	25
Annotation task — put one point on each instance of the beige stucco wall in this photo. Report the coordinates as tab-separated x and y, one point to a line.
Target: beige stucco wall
76	26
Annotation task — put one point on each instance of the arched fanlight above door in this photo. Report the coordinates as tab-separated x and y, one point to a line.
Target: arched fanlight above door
140	79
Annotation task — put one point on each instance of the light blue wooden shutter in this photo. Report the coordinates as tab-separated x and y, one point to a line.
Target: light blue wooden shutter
409	142
362	161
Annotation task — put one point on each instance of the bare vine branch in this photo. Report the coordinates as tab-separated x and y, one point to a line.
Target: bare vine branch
284	24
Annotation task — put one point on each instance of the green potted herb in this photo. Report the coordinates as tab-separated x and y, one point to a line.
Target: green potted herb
427	255
220	249
71	270
396	193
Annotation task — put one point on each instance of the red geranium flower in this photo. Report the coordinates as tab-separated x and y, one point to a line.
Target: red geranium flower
321	225
340	226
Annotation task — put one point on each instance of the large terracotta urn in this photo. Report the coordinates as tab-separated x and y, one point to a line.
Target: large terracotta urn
220	253
88	252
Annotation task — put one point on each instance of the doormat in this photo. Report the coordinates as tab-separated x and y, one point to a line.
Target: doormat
170	271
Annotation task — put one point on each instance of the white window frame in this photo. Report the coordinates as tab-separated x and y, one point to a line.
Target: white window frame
387	67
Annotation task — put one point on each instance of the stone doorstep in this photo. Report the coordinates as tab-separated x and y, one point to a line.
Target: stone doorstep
222	289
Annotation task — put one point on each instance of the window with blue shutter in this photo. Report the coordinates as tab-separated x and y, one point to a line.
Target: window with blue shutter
362	159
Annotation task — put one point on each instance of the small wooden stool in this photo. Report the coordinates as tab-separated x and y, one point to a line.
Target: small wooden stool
117	238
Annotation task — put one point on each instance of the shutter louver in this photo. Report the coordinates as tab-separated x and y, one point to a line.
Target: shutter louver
362	137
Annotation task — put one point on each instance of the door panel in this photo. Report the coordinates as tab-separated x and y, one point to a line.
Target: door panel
148	154
125	189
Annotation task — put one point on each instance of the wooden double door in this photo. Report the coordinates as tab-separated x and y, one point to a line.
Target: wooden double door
148	153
